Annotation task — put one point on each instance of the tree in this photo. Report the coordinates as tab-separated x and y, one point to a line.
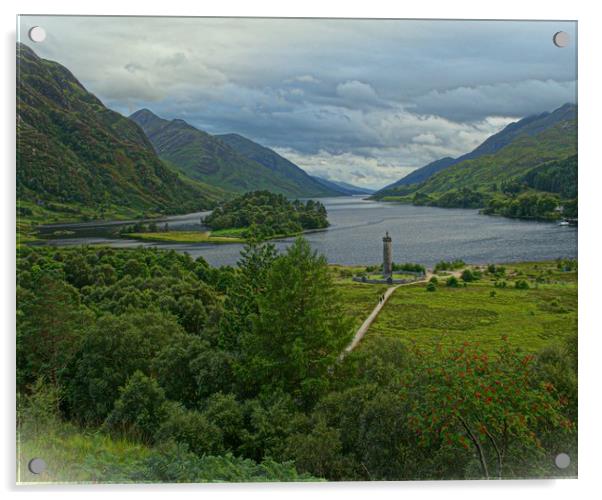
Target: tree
271	418
318	452
242	300
114	349
521	285
483	403
190	370
452	281
299	329
467	275
140	408
51	324
226	413
191	428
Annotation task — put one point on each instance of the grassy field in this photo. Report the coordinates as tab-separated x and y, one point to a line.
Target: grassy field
231	235
186	237
480	312
358	298
75	455
30	215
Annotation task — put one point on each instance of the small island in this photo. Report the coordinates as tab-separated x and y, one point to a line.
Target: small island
260	214
266	215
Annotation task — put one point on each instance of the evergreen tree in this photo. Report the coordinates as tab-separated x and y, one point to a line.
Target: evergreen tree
299	329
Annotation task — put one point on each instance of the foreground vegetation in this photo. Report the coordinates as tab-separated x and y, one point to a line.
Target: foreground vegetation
146	365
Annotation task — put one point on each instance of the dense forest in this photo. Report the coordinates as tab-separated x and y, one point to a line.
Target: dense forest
234	373
269	214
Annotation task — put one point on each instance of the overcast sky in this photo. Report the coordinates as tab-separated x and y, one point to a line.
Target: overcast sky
356	100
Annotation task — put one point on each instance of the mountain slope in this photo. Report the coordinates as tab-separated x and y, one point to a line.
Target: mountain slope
75	154
423	173
528	178
278	164
212	160
515	160
343	187
529	126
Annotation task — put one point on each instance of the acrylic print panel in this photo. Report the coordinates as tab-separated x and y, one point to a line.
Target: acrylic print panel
296	249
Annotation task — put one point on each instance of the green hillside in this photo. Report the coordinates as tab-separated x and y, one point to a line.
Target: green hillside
77	159
535	172
278	164
511	162
529	126
211	160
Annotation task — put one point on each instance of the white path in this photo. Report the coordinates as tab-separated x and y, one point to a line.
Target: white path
359	335
366	324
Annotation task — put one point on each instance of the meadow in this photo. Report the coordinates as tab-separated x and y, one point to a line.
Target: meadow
479	312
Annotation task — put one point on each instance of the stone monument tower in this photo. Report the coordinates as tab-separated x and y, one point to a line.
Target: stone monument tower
387	256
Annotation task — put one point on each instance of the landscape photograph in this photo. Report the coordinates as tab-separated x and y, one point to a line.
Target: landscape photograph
295	250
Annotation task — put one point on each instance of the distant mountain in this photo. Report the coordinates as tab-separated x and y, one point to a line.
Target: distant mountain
343	187
423	173
525	178
524	153
276	163
74	152
530	126
230	162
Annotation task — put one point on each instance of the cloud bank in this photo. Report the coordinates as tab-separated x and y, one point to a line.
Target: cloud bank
355	100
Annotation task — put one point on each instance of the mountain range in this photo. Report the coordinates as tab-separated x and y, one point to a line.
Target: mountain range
76	155
78	158
530	126
343	187
230	161
504	157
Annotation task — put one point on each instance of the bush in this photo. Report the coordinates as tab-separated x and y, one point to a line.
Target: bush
191	428
452	281
140	409
449	266
467	276
434	280
492	293
431	287
521	285
174	463
319	452
226	413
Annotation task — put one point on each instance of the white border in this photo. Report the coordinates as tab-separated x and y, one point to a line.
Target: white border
590	152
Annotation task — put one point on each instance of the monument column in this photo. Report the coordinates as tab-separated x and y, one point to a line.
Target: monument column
387	256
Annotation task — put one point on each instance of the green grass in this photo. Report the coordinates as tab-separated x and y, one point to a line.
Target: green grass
74	455
186	237
220	236
359	299
531	319
30	215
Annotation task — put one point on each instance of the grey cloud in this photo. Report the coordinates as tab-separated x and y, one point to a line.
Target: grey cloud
378	98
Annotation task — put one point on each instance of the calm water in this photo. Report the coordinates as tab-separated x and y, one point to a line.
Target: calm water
420	234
